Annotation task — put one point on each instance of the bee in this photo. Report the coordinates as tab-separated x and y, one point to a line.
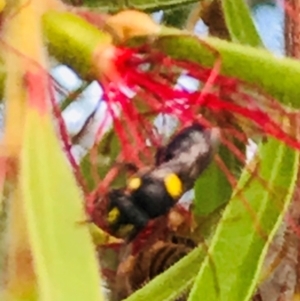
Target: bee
152	192
136	271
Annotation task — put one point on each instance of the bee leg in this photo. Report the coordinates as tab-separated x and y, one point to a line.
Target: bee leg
140	222
156	229
134	233
102	188
160	155
116	246
180	219
131	167
108	273
126	166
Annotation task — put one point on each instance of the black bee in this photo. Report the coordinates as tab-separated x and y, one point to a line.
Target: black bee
153	192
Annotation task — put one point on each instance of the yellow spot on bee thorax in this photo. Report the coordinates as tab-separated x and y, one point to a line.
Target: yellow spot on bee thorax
173	185
134	183
113	215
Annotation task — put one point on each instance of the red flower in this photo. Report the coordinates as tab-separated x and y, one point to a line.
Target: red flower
141	82
147	78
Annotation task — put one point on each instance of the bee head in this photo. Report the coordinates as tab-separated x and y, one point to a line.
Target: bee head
124	219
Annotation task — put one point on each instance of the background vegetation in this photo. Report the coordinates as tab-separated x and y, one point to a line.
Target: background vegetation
46	252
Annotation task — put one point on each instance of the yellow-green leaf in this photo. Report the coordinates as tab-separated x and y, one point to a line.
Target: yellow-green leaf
231	269
64	256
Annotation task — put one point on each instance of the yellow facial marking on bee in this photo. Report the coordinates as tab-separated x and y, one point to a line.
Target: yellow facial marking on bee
173	185
113	215
134	183
125	230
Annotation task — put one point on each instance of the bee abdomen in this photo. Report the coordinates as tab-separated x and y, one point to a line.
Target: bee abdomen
165	257
149	264
186	241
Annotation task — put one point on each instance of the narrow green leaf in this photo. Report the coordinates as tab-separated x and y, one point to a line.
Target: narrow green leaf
64	256
207	190
213	181
231	270
143	5
176	280
240	24
177	16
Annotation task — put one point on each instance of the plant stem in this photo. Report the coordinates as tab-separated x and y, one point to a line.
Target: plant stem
278	76
73	40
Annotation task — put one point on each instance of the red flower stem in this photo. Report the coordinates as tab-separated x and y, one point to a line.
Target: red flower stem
67	145
102	187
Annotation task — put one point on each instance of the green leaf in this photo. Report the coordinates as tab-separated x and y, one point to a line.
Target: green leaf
143	5
230	271
207	197
178	279
240	24
175	281
64	256
213	181
177	16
